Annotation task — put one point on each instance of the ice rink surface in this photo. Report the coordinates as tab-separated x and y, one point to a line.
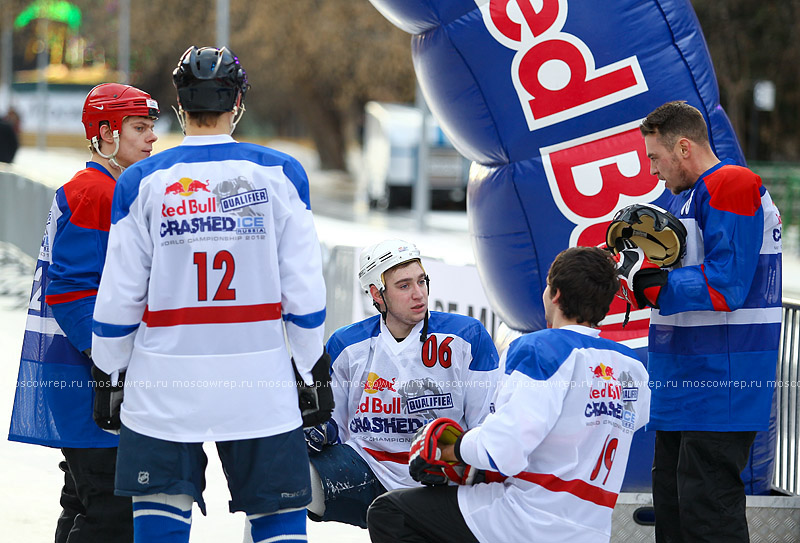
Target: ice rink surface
30	477
31	480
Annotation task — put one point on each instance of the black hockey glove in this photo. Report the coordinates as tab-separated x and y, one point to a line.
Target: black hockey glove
107	400
316	401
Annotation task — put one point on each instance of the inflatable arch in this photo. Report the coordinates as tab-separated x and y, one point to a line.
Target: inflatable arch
545	97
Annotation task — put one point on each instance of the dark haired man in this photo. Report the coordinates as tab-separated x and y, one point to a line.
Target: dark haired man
715	324
212	246
565	416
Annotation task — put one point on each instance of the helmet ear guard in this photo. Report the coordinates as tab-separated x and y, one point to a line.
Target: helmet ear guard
657	232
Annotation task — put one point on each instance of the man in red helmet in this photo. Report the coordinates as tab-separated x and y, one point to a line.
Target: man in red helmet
56	397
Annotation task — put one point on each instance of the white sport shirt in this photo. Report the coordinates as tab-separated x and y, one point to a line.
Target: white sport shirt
565	416
386	390
212	248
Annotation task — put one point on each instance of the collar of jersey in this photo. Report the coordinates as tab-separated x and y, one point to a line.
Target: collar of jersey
585	330
99	167
398	346
207	140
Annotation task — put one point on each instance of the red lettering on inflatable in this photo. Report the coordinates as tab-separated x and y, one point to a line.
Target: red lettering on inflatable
579	90
554	72
498	12
592	177
593	235
538	22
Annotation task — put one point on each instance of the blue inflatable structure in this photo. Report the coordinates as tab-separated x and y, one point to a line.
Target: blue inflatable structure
545	97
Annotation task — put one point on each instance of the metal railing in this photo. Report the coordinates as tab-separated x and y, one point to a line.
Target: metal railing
787	443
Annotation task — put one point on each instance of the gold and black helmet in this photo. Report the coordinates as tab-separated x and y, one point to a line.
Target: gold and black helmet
655	231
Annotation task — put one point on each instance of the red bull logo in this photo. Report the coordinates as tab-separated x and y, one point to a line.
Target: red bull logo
606	391
604	372
592	177
186	186
375	405
375	383
554	73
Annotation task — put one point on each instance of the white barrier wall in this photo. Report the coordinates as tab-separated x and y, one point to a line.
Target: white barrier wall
24	205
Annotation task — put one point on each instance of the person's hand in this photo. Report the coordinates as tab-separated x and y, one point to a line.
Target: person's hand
640	279
448	453
316	400
320	436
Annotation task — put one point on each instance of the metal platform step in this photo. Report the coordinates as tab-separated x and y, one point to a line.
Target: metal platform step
771	519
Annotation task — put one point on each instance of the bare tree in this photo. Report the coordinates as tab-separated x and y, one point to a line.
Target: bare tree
312	64
751	40
323	60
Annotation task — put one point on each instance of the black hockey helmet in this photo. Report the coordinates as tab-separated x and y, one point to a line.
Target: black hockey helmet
209	79
656	231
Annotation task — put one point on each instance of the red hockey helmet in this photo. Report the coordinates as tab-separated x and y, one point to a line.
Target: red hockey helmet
112	102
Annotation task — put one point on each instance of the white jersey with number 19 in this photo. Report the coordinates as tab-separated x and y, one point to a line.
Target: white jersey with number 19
562	429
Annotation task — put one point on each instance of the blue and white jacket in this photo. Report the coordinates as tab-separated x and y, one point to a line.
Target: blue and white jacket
53	400
713	344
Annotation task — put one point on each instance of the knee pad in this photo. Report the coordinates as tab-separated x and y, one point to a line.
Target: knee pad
286	525
162	518
317	505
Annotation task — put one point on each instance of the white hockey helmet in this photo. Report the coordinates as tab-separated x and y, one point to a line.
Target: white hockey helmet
378	258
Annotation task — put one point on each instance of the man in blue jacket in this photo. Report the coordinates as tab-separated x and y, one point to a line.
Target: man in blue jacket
714	330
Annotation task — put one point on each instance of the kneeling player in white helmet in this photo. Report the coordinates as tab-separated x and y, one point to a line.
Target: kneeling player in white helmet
392	373
558	440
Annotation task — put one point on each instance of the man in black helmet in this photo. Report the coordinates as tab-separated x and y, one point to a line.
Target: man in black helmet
212	255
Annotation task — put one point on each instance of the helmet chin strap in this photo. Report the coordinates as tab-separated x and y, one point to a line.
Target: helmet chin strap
111	157
238	111
378	306
423	335
181	114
